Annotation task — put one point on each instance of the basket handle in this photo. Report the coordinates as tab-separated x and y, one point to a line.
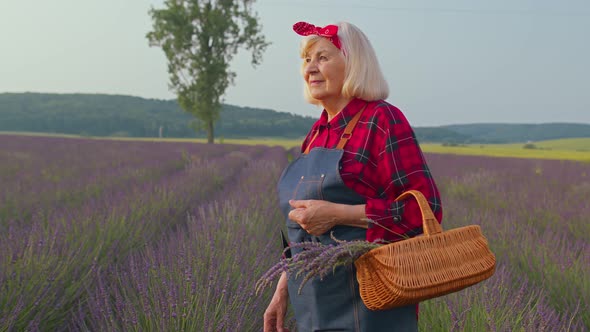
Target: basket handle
429	222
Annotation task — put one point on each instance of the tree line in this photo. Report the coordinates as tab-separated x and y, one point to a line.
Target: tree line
117	115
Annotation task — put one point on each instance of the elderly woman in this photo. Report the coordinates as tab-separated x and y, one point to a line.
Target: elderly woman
357	158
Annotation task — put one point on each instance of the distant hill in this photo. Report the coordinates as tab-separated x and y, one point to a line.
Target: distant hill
117	115
510	133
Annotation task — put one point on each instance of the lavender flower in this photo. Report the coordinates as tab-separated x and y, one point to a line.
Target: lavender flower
316	260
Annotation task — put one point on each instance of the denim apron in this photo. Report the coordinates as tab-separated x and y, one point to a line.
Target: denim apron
332	304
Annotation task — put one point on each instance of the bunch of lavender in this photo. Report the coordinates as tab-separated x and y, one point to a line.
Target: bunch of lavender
317	259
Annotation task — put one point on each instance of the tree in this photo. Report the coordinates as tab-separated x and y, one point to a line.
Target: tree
200	38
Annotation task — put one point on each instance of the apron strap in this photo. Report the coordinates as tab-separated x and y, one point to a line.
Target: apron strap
311	141
345	136
349	128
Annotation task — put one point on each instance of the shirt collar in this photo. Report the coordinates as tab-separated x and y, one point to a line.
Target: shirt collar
341	119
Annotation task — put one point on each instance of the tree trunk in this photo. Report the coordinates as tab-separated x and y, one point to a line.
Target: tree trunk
210	131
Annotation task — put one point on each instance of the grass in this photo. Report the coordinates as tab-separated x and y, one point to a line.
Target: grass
507	150
574	144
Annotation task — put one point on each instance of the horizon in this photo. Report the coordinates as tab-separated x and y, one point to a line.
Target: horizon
512	62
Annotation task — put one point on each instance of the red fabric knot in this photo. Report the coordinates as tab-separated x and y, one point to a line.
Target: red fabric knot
329	31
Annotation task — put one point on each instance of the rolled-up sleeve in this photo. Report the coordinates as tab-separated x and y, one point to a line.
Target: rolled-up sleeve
401	166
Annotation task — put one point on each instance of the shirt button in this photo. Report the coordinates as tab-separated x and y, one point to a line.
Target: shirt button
397	218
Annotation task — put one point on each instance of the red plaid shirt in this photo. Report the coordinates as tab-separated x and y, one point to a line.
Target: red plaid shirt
381	160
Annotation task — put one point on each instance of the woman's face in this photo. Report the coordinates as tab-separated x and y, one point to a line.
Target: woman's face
324	70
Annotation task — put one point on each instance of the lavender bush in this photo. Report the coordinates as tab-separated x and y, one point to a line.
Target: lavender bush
49	256
100	235
201	277
534	214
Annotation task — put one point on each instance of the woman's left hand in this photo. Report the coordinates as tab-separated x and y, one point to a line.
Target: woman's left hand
314	216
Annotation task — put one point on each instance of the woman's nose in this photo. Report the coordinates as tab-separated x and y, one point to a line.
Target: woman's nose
311	67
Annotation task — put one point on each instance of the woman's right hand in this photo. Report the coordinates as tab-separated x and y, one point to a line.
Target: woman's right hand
274	316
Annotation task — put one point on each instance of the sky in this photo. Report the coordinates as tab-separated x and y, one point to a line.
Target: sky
446	62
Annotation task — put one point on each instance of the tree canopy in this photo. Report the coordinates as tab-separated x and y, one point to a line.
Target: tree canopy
199	39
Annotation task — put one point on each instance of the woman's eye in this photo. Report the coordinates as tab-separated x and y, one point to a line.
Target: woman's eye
323	58
307	60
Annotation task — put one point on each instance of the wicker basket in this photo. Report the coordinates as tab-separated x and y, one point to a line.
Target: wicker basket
424	267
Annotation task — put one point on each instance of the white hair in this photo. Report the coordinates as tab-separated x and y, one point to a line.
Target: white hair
363	79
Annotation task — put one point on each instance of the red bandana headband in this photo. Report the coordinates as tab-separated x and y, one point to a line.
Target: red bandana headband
329	31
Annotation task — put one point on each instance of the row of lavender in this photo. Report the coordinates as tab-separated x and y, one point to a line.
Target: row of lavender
123	255
201	277
535	214
74	213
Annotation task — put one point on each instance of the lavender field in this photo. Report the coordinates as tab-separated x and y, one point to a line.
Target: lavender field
100	235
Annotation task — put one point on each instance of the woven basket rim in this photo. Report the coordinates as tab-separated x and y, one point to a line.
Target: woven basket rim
392	285
426	238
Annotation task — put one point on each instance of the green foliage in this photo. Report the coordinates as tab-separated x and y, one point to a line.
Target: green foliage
200	39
